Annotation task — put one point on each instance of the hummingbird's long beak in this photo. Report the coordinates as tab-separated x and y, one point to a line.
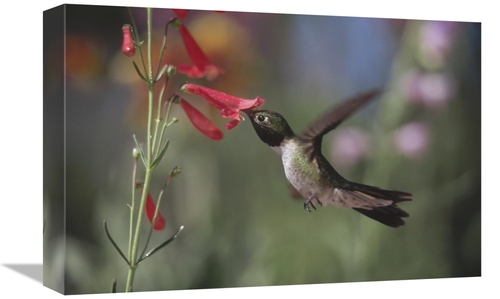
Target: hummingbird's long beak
249	112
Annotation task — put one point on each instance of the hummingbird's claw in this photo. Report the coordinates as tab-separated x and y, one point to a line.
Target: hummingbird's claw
307	203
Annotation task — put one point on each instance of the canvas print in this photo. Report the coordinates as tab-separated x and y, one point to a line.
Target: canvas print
192	149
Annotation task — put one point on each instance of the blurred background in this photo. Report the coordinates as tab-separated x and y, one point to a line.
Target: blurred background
242	228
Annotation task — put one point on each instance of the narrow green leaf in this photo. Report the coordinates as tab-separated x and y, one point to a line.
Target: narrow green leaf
161	73
139	72
171	71
154	250
113	285
114	243
143	157
161	154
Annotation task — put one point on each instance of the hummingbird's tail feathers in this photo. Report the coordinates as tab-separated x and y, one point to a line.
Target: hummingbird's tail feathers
354	199
395	196
389	215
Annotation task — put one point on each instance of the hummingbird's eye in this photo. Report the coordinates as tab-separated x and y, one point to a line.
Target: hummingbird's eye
261	118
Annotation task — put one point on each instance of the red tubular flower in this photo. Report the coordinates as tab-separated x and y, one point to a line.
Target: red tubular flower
230	106
181	13
128	46
150	212
202	123
202	66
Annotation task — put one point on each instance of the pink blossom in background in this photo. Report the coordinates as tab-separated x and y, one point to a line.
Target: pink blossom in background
436	40
436	89
349	147
432	90
412	140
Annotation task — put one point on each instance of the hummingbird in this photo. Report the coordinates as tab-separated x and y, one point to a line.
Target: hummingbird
310	173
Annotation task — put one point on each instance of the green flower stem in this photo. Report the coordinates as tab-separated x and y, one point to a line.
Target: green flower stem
158	117
149	169
165	125
163	46
135	248
155	217
150	41
132	210
150	158
147	240
141	257
151	86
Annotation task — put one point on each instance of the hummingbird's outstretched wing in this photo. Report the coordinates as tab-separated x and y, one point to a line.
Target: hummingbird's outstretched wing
313	135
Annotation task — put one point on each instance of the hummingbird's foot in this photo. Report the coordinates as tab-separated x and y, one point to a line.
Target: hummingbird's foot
309	202
306	205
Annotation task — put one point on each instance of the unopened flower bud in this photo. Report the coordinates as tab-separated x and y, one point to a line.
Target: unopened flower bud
176	23
139	184
173	121
135	153
128	46
176	171
176	99
171	70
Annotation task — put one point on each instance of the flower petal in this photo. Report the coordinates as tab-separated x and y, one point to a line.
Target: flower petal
150	212
202	123
226	113
197	56
230	125
230	106
190	71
